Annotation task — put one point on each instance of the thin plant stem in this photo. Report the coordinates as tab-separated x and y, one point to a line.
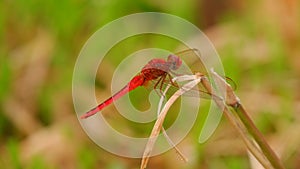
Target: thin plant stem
233	101
242	131
258	137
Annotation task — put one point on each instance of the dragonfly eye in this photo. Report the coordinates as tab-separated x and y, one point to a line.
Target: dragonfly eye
174	61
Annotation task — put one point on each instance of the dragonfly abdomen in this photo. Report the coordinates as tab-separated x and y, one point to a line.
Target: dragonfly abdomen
134	83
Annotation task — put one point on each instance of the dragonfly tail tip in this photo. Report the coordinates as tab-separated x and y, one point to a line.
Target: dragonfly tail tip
83	116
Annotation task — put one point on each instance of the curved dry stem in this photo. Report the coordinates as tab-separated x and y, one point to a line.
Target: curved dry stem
162	98
158	124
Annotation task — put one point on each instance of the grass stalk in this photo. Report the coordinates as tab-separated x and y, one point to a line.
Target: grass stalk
233	101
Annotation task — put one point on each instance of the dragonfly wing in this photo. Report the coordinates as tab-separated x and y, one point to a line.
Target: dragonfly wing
192	62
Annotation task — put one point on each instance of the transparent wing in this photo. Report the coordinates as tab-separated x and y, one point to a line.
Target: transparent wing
192	62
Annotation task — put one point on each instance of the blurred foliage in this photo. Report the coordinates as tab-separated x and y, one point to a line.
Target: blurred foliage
258	42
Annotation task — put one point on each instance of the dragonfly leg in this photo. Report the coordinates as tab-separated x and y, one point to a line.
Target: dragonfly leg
160	81
173	83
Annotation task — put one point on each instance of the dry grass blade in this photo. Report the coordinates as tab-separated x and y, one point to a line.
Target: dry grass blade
162	98
159	122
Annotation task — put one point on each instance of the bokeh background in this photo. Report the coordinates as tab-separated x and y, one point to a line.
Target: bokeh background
258	42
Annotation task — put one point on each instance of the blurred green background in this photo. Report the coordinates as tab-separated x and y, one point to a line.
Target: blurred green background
258	42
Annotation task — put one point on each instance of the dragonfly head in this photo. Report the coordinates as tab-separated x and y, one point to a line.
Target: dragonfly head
174	62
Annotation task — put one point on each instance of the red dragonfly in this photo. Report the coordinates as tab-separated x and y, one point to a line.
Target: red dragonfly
155	69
